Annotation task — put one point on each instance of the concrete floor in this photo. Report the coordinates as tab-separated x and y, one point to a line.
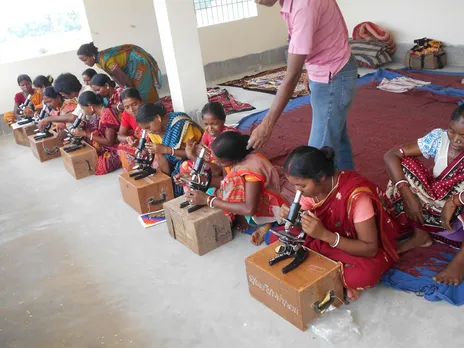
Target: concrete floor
78	270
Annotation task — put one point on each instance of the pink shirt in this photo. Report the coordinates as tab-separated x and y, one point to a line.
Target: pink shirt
362	210
318	30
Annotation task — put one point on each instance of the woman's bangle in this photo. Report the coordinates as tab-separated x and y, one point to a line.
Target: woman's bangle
337	240
460	198
91	136
207	200
211	202
173	152
399	182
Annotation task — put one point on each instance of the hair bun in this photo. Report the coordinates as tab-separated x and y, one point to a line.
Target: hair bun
329	153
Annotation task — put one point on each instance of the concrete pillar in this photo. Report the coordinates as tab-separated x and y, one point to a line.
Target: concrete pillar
177	26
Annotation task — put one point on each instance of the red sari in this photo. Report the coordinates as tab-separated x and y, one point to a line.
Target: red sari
108	156
432	193
336	214
254	168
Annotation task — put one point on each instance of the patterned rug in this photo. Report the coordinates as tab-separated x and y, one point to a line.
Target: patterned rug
231	106
268	82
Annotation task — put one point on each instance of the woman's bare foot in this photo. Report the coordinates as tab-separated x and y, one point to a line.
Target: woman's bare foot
257	237
353	294
241	224
454	273
420	238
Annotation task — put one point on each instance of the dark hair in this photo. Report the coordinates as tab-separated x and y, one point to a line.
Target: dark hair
101	80
214	108
67	83
231	146
148	111
42	81
90	98
89	72
130	93
23	77
310	163
87	50
50	92
458	113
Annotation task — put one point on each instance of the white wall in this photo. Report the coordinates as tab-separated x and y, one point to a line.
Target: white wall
410	19
240	38
116	22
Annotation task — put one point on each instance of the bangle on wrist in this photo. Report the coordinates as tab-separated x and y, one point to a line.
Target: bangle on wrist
211	202
460	198
337	240
173	152
402	183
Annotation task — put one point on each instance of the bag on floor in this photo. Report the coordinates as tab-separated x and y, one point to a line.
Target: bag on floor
426	54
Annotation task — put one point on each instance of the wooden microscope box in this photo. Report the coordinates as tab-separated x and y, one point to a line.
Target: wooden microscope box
201	231
21	133
147	194
80	163
45	149
298	295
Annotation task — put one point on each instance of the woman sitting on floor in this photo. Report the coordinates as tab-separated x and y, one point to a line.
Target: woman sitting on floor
250	188
106	88
129	132
169	134
87	76
104	137
214	119
57	104
348	218
418	196
25	83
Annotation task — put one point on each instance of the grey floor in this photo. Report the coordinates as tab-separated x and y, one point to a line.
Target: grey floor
78	270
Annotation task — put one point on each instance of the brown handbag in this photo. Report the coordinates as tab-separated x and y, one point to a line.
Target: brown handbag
422	57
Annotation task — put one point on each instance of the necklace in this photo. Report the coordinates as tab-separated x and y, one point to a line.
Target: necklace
317	199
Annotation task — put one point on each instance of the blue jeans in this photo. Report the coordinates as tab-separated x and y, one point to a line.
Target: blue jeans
331	103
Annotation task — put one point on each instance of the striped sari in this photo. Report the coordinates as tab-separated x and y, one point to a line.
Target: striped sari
175	136
141	68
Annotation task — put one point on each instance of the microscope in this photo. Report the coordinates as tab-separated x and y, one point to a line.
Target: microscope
293	247
22	108
200	179
75	142
46	132
144	161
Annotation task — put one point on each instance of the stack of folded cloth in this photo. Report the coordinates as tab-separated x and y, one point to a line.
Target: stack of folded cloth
369	53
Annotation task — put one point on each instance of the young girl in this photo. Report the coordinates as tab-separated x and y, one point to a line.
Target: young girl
250	188
214	118
106	88
58	105
169	134
129	132
41	82
87	76
25	83
348	218
104	137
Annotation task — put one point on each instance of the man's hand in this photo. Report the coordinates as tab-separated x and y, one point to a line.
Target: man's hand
260	136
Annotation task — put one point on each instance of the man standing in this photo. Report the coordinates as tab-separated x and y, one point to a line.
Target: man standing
319	39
